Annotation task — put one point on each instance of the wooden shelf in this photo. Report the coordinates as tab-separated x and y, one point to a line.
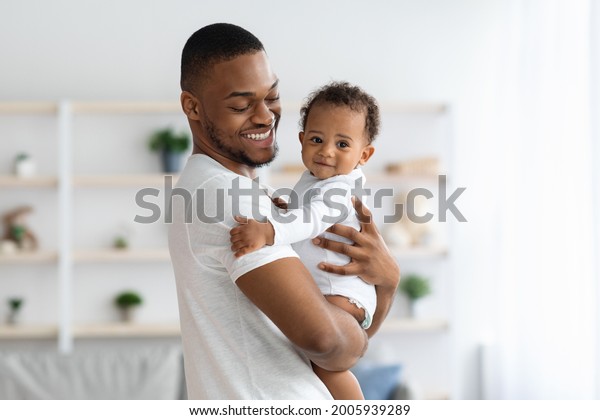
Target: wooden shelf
16	332
28	107
126	330
111	181
117	330
126	255
127	107
419	252
37	257
12	181
396	325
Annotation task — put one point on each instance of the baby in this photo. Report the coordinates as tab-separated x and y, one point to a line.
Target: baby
339	122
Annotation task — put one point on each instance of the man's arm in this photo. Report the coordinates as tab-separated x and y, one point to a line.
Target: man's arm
370	259
285	291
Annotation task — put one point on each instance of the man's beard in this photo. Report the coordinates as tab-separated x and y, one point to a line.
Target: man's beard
238	155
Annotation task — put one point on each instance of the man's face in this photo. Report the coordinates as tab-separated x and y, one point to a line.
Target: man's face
240	111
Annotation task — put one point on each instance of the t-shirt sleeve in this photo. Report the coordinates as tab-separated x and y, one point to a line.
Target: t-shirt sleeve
330	203
210	239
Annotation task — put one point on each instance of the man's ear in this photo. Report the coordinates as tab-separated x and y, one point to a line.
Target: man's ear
366	154
190	105
301	136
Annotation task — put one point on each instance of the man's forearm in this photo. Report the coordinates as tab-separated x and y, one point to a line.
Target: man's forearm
348	343
385	298
286	293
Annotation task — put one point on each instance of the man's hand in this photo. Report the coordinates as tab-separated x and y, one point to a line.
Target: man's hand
250	235
370	259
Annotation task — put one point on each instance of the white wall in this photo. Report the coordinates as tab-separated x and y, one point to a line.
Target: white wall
432	50
110	49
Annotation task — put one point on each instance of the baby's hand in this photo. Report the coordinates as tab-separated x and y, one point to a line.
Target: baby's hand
280	203
250	235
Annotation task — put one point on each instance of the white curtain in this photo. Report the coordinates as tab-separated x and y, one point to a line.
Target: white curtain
529	259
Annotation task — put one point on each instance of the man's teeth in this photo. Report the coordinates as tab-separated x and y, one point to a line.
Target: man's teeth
258	136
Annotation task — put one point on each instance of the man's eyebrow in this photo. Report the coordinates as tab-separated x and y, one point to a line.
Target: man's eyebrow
237	94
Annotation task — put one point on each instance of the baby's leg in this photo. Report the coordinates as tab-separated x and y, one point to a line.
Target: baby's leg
342	385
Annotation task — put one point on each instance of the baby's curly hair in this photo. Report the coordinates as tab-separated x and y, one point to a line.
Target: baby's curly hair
345	94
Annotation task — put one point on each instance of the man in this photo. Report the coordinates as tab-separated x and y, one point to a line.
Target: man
251	326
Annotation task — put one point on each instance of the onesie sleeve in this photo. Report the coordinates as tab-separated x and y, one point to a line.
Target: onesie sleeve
208	235
326	204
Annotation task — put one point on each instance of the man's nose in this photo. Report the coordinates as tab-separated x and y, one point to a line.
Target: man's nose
263	115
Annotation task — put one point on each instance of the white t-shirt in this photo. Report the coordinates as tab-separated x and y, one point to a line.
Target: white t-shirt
231	349
317	205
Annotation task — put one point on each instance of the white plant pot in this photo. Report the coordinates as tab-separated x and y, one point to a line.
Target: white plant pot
127	314
25	168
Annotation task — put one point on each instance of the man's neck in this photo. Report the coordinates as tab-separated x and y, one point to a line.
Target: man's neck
238	168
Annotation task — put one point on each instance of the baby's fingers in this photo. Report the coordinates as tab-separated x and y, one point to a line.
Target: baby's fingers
241	252
241	220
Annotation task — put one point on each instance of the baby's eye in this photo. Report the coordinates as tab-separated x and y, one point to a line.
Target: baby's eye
343	144
316	140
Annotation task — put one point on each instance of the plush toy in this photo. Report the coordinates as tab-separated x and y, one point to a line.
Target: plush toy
16	230
407	233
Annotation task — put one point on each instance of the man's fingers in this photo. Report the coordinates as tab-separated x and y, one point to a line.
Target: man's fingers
345	231
362	212
335	246
350	269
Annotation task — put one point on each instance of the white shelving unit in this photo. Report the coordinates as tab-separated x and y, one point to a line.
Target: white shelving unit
65	257
69	258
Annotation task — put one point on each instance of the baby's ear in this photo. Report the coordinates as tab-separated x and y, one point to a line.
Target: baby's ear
366	154
301	136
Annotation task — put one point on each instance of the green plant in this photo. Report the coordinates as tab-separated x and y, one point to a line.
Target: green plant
128	299
121	243
18	232
167	140
21	156
414	286
15	304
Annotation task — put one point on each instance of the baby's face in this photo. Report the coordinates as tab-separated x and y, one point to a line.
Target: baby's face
334	141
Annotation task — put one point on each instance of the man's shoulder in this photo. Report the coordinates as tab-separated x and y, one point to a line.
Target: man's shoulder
202	171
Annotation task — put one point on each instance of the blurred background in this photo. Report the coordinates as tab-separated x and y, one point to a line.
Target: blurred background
499	96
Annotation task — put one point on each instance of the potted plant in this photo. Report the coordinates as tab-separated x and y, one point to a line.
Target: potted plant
126	302
121	243
14	306
24	165
414	287
170	145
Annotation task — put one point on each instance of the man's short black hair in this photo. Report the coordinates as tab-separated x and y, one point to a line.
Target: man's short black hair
345	94
210	45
